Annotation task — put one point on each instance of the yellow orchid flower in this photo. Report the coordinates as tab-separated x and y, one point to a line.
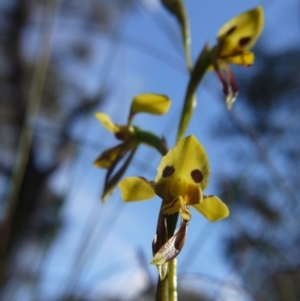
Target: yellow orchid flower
235	39
124	133
131	137
182	176
155	104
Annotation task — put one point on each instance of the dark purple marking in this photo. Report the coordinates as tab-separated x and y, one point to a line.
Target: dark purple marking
197	175
244	41
230	31
168	171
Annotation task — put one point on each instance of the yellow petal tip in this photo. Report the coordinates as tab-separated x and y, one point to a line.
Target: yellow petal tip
212	208
156	104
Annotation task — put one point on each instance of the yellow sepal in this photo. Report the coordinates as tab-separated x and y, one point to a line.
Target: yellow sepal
136	189
107	122
108	157
212	208
156	104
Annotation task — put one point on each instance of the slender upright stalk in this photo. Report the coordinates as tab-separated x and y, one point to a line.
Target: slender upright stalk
162	292
173	280
177	8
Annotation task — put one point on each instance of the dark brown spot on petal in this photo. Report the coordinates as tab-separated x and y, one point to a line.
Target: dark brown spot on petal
244	41
168	171
197	175
230	31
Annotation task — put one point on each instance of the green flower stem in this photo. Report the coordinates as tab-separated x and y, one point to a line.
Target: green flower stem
201	66
162	292
172	273
172	277
166	288
149	138
130	119
177	8
190	101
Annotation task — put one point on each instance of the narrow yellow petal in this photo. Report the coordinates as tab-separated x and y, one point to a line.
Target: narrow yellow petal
107	122
156	104
136	189
244	29
187	161
108	156
212	208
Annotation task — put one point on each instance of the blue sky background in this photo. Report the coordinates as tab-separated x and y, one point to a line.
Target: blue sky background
99	243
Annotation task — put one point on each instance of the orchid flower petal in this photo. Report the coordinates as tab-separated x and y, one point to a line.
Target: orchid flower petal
234	54
177	205
156	104
114	174
212	208
187	162
242	30
136	189
107	122
235	38
108	157
169	189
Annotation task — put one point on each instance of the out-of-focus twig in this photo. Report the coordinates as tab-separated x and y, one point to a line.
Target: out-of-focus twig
31	113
